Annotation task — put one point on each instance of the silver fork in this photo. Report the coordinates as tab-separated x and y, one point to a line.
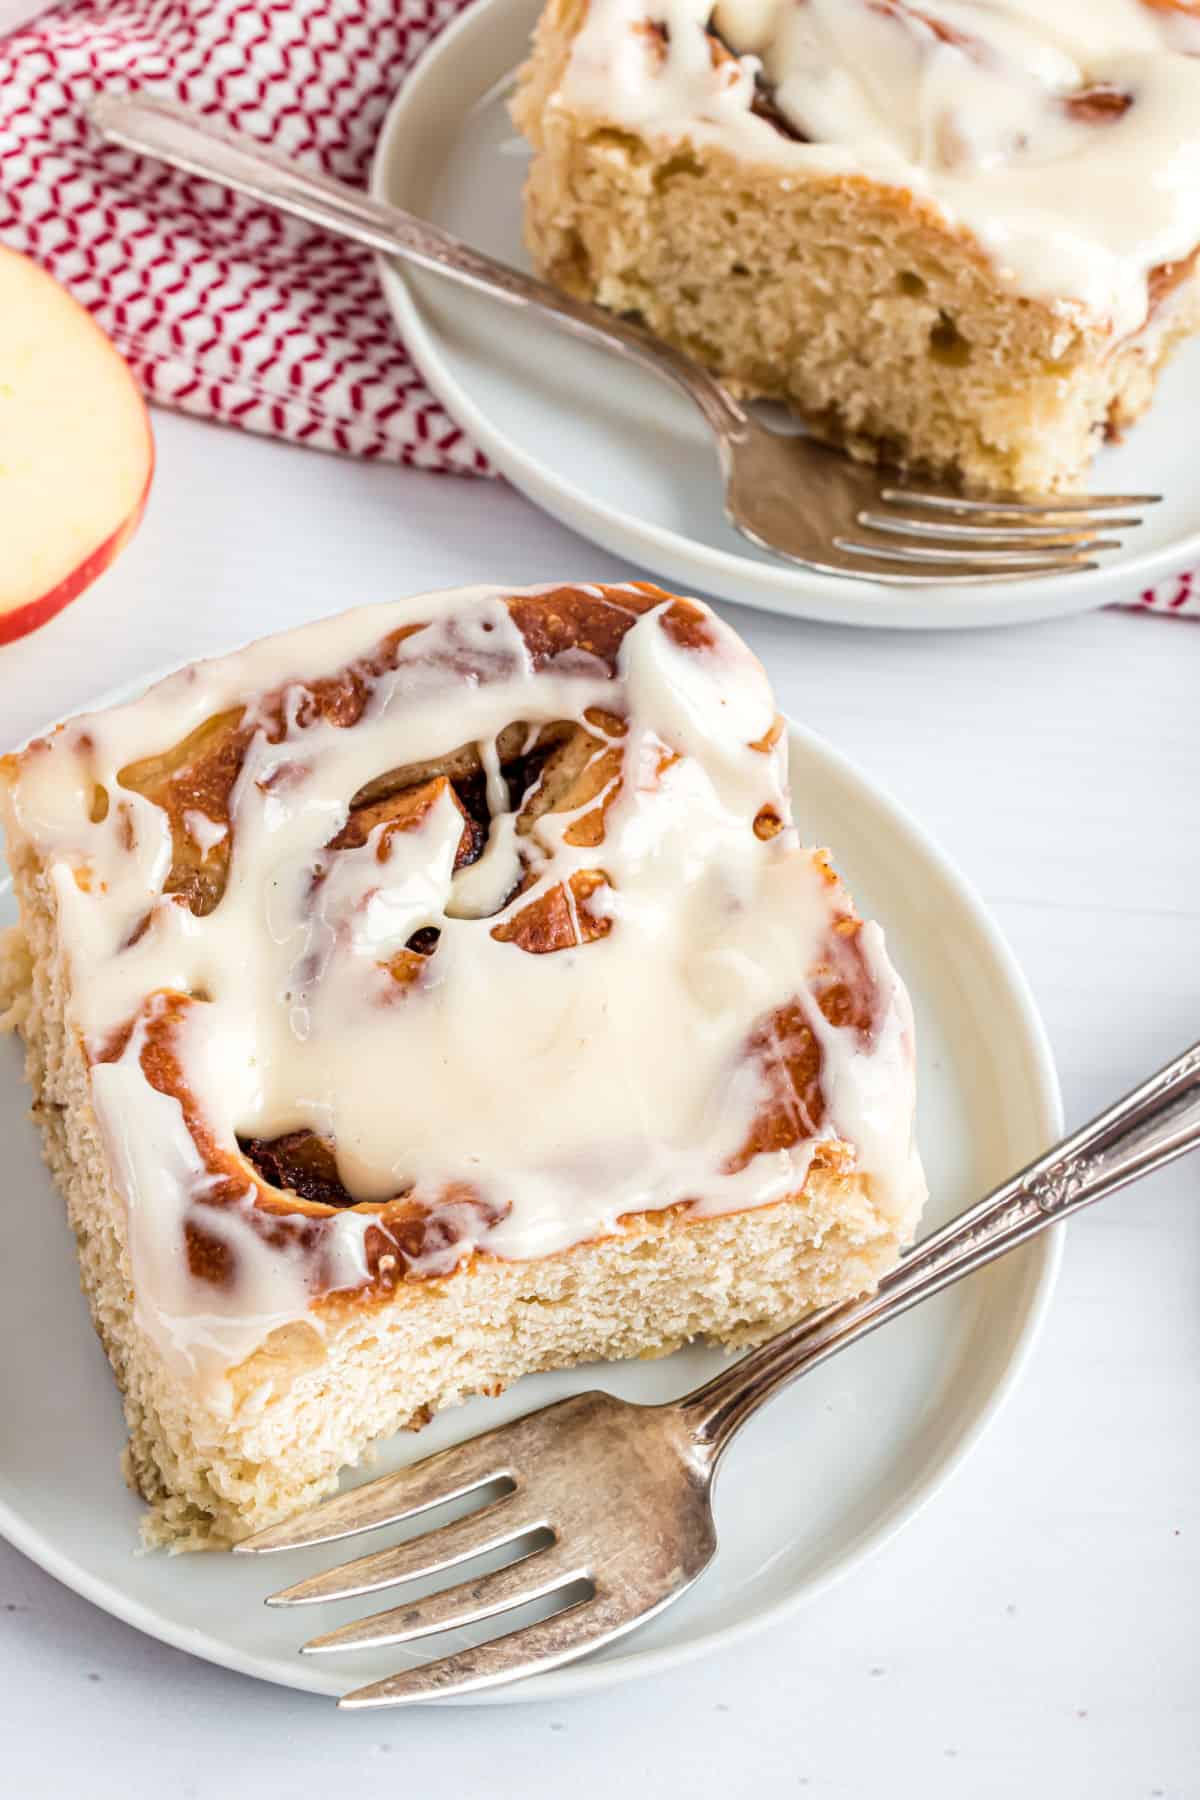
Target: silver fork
620	1494
784	491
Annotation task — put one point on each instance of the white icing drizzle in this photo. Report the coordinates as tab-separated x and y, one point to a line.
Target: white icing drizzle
204	832
964	103
527	1101
203	1327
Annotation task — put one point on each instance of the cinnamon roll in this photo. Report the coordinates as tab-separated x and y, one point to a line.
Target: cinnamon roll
431	995
959	235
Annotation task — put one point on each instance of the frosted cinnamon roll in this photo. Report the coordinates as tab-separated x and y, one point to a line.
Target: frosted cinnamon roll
432	995
960	235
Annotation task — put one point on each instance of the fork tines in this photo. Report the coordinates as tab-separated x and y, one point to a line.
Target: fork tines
541	1567
935	536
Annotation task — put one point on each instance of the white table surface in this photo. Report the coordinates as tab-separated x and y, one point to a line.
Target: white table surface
1035	1630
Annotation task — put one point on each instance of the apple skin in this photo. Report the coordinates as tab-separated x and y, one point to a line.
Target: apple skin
19	621
27	615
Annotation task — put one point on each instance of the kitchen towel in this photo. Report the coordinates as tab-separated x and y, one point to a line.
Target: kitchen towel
223	308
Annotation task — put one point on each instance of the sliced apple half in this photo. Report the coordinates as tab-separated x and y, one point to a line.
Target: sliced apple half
76	452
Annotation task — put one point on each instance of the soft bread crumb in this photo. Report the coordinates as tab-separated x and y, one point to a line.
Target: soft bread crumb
888	331
16	978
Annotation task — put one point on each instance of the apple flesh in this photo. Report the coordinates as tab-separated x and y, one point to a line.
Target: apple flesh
76	452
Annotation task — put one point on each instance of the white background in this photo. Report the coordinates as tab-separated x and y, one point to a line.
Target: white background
1035	1630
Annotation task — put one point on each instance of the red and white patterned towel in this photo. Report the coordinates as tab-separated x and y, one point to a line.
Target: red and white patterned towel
223	308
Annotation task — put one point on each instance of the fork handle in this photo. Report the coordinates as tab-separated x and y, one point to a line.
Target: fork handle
1146	1130
186	140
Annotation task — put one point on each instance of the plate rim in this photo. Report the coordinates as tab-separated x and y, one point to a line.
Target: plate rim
786	589
1044	1253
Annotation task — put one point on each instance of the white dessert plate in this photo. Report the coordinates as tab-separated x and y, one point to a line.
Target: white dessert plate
825	1475
616	454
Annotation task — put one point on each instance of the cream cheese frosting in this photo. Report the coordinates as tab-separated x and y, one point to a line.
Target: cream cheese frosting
1065	137
513	1101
